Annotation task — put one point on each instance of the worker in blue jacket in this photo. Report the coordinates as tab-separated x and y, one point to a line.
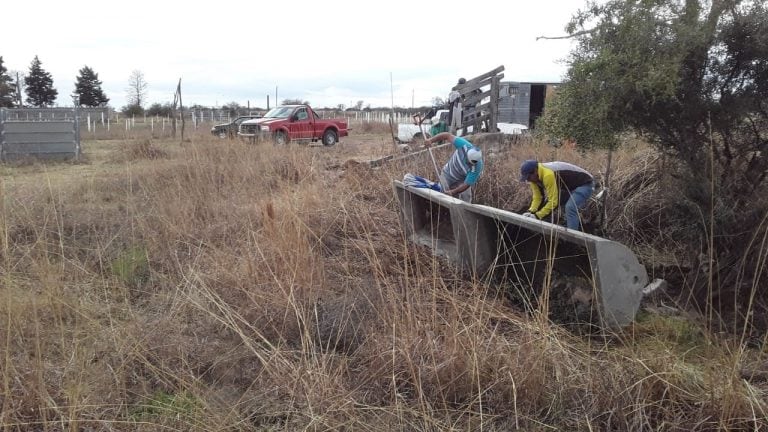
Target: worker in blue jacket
461	172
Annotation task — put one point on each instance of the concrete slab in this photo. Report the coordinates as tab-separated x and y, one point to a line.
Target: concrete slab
486	241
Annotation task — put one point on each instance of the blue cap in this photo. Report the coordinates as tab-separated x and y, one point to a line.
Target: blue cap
527	168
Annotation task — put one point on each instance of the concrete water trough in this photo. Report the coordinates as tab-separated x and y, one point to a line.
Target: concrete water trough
431	219
488	242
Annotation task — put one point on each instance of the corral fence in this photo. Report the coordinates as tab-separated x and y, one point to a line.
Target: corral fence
47	133
100	123
199	117
480	99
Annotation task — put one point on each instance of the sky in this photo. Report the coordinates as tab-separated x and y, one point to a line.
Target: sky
329	52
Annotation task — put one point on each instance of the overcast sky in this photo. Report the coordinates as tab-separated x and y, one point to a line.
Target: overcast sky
327	52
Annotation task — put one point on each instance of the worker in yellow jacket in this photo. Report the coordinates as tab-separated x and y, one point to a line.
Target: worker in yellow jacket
551	183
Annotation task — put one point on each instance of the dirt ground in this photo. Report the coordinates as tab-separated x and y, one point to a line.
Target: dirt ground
366	146
102	156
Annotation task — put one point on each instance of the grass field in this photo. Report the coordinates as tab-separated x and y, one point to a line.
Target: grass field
213	285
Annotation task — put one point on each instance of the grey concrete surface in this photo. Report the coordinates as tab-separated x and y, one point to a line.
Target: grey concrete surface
485	241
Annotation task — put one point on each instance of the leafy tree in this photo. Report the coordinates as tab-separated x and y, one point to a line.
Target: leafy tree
7	88
691	77
664	68
133	110
137	89
157	109
88	89
233	108
39	86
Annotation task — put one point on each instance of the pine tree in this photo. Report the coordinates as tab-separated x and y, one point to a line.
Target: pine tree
40	91
7	88
88	89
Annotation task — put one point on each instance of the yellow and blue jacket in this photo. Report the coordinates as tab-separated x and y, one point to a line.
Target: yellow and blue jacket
554	176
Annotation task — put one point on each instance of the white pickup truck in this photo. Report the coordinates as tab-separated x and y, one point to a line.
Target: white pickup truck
408	132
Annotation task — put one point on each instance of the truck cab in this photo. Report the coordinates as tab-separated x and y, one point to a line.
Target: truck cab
408	132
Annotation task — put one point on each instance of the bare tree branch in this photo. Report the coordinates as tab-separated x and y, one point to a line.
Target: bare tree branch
577	34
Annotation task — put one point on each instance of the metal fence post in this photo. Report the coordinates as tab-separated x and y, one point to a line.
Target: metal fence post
3	114
76	131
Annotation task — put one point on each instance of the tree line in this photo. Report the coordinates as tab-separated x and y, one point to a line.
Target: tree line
37	85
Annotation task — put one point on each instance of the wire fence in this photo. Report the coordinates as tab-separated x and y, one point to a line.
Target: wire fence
105	123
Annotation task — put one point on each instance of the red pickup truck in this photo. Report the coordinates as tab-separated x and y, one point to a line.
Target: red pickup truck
294	123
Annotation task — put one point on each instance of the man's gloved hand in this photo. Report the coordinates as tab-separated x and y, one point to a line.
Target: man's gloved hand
530	215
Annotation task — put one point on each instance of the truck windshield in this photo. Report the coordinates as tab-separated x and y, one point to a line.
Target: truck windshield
279	112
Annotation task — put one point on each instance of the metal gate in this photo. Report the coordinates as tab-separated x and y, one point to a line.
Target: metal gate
44	137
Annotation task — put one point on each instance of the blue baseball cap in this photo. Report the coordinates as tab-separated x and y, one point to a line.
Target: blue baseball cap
527	168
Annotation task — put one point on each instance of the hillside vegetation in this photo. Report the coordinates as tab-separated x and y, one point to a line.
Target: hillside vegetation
217	286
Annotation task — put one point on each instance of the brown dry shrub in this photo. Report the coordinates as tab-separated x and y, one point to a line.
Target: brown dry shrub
143	149
284	296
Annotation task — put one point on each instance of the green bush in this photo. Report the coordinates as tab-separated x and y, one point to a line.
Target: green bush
131	267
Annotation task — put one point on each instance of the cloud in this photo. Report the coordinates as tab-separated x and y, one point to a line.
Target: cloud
330	53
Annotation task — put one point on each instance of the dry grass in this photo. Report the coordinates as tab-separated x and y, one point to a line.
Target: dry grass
232	287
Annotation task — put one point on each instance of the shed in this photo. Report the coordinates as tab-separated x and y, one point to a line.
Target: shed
523	102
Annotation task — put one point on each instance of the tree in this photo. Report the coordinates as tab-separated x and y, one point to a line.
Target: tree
156	109
233	108
294	102
39	86
7	88
359	105
132	110
663	69
691	77
137	89
88	89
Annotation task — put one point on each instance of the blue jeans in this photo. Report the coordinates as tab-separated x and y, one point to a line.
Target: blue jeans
578	200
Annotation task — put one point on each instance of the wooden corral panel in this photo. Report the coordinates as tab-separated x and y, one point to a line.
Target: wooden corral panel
484	87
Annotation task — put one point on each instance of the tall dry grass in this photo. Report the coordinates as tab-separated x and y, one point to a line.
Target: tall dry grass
233	287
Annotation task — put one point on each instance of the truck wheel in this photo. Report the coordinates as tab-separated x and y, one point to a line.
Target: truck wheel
222	134
330	138
281	138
